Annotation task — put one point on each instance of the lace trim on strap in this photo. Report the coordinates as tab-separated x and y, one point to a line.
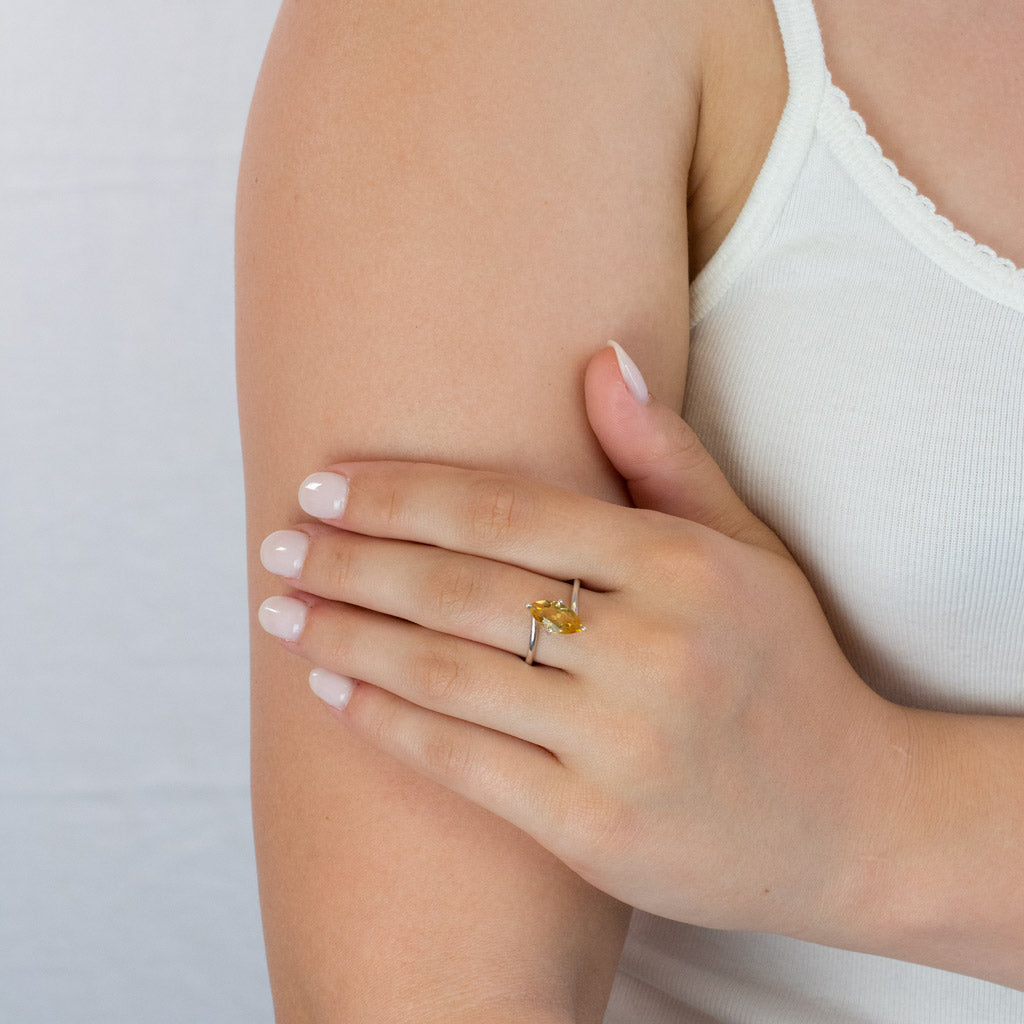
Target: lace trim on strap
914	214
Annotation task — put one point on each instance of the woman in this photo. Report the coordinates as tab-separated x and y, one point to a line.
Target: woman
815	807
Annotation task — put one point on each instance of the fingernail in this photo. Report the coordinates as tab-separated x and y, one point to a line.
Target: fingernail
283	617
330	688
631	375
283	553
323	495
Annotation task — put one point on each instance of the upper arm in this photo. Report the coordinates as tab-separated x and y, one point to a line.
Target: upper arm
444	209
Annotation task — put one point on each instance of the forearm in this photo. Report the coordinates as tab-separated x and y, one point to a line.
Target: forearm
940	881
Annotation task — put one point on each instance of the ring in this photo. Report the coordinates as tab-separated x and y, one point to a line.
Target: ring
555	617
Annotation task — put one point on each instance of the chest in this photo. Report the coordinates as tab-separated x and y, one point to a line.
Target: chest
940	85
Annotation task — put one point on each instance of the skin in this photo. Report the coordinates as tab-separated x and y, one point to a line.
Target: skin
456	253
678	724
742	717
942	94
385	896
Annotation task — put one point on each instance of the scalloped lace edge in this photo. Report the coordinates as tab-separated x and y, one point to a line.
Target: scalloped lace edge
960	239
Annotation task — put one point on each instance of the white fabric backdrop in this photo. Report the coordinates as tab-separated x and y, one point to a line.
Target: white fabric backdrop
127	889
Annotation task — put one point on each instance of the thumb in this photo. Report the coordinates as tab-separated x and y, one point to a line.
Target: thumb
665	466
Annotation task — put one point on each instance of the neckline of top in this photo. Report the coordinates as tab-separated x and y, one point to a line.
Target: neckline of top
815	102
909	210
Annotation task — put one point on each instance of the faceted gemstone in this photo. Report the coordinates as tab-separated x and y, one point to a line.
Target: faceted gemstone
556	617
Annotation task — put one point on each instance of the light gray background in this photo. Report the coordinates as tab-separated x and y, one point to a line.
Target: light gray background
127	888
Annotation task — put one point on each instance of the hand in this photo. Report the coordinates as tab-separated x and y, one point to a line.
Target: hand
703	750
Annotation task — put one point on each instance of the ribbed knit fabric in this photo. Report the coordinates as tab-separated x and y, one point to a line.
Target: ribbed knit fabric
857	368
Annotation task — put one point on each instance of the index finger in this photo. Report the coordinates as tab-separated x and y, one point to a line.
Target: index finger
549	530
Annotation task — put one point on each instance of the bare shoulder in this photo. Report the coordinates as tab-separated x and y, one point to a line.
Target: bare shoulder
473	163
545	48
532	80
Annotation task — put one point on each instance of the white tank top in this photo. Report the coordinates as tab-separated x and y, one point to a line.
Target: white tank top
857	368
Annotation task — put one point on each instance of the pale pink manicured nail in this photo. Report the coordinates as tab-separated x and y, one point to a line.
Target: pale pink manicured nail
324	495
631	375
283	617
330	688
283	553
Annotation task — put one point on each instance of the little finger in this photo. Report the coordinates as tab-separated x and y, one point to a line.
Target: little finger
454	677
516	780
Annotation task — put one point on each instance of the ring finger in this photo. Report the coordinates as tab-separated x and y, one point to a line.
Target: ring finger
463	595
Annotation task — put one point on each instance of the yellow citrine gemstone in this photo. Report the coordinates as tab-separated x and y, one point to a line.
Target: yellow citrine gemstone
556	617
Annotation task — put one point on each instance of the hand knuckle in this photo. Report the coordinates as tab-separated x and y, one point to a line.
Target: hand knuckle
685	558
650	654
496	507
444	754
597	828
683	451
339	565
439	676
709	575
331	638
655	552
392	504
453	589
375	718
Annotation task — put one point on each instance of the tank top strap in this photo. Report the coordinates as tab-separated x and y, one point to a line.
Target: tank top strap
801	37
808	77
